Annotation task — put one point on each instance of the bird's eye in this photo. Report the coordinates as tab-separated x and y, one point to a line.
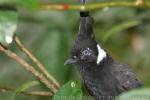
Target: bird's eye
74	57
86	52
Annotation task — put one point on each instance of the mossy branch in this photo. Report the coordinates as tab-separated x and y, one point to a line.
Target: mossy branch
94	6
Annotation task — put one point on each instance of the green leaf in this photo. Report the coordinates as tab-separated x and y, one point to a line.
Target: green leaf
29	4
55	47
120	27
137	94
24	87
71	90
8	25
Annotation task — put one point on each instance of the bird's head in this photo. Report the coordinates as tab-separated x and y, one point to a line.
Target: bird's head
82	55
87	55
85	50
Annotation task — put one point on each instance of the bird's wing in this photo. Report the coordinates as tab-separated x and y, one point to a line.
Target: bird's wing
125	76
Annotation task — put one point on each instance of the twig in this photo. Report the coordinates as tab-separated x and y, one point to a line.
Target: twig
28	67
36	61
32	93
140	2
94	6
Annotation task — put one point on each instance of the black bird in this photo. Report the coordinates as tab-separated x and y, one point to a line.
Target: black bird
102	76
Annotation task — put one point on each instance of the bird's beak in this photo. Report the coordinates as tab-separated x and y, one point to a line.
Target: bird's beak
70	61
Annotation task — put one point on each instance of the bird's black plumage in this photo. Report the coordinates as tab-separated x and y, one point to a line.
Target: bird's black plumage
104	78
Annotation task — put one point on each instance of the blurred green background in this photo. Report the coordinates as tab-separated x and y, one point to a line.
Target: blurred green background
124	32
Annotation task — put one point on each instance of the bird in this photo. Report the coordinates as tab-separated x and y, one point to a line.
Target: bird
102	75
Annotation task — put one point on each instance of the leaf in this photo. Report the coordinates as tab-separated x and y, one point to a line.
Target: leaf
55	48
119	28
71	90
8	25
24	87
62	54
137	94
29	4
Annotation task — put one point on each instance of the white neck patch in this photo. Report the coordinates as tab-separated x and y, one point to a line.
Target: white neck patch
101	54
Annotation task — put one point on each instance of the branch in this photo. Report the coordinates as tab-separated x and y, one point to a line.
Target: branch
36	61
140	2
28	67
93	6
32	93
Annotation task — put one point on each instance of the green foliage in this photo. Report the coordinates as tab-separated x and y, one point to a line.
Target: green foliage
137	94
24	87
71	90
49	35
54	57
122	26
8	25
28	4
